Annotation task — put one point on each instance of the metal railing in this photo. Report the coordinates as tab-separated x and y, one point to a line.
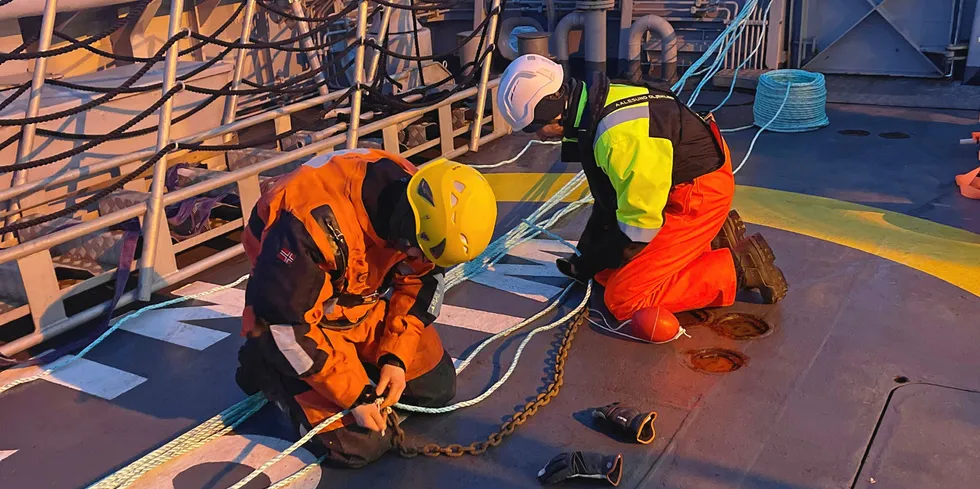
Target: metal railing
158	264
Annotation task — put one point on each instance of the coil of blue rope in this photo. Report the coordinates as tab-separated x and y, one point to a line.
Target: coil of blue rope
787	101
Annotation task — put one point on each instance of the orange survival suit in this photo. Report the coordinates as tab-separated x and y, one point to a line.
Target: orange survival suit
331	299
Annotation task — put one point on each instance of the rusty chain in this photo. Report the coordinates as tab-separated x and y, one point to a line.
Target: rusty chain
519	418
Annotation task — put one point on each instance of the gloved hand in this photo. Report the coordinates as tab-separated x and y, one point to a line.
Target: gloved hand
628	419
583	464
571	267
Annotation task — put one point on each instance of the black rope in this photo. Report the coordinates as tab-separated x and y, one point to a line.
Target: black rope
132	134
266	140
280	88
459	46
114	134
98	101
134	13
139	59
17	226
141	89
281	45
287	15
420	6
9	100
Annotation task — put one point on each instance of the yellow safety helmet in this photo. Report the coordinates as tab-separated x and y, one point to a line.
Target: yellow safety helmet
455	212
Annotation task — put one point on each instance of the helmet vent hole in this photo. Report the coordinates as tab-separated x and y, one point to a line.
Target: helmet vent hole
454	218
423	236
459	186
438	249
462	237
425	192
453	199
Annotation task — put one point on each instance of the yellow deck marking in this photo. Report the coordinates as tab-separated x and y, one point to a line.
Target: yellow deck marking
944	252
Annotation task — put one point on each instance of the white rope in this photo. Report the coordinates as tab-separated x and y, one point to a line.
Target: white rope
511	160
616	330
68	359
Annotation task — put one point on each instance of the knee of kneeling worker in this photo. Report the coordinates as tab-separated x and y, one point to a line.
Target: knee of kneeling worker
435	388
619	305
352	447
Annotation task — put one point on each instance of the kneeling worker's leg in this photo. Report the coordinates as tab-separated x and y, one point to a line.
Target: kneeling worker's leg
678	270
343	442
431	379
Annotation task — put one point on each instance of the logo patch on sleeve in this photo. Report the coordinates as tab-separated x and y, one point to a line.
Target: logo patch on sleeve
286	256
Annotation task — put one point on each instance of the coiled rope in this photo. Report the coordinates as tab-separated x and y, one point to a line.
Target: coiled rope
787	101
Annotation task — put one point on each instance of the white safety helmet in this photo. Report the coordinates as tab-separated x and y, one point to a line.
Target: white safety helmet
528	80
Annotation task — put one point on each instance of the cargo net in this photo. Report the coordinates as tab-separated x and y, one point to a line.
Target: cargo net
323	34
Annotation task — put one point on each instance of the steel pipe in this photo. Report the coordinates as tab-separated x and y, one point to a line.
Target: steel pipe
659	27
28	132
382	33
565	26
231	103
481	94
355	106
312	55
88	227
595	38
154	214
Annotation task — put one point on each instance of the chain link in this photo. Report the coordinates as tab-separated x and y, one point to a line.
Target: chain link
508	428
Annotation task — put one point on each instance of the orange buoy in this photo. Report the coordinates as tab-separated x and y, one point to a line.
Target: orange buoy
656	325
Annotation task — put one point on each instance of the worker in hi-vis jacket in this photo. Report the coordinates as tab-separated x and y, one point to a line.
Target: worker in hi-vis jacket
661	234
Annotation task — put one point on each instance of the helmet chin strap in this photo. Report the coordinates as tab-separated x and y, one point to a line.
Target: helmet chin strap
402	226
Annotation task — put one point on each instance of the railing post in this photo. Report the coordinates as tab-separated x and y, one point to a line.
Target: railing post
355	106
153	243
481	94
41	288
26	146
382	33
231	103
312	55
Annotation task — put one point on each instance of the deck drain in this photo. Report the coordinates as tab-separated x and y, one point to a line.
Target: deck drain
741	326
716	360
695	317
895	135
901	379
854	132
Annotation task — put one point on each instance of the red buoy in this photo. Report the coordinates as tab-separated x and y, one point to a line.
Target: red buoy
656	325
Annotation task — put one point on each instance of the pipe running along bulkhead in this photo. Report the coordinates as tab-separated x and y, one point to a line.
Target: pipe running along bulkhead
659	27
560	37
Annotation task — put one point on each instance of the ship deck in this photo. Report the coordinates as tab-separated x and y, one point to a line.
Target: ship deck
867	375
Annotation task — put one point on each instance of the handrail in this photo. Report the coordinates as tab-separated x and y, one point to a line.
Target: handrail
102	222
118	161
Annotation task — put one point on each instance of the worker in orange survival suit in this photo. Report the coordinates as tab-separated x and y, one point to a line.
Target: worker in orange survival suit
662	180
326	243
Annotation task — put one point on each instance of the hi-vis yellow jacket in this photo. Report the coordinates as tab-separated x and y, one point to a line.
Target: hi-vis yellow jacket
635	143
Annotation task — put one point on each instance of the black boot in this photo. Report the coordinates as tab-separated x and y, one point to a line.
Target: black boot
757	264
731	234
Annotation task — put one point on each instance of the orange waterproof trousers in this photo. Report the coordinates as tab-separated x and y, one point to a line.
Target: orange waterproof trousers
678	270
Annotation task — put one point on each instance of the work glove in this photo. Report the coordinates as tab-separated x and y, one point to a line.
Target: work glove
571	267
582	464
638	425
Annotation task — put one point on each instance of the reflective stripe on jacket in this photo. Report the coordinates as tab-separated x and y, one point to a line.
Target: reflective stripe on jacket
641	142
311	240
